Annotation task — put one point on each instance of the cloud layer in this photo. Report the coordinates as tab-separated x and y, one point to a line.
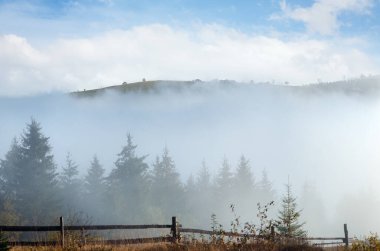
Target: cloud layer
159	51
322	16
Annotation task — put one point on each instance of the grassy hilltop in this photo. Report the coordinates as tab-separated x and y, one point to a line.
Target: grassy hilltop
360	86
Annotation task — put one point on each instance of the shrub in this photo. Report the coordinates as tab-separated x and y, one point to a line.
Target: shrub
371	242
4	246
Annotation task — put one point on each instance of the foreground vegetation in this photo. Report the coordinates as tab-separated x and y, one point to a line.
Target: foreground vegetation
177	247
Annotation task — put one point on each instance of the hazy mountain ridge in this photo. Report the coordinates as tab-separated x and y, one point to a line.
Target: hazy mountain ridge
360	86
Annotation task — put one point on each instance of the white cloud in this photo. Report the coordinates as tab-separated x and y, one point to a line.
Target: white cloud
322	16
161	52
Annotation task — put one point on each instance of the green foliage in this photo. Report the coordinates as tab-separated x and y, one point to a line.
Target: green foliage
218	234
70	183
167	189
70	173
244	180
370	243
265	188
128	185
29	176
95	189
288	220
223	187
95	180
3	243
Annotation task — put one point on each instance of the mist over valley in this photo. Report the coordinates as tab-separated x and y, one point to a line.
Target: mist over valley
323	137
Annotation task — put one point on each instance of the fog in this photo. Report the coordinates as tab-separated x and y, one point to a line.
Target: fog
326	141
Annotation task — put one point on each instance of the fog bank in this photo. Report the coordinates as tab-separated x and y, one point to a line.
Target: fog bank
328	138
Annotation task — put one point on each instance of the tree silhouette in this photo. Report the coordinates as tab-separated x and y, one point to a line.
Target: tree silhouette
128	184
30	177
288	220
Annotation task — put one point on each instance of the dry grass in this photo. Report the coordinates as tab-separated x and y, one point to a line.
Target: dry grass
177	247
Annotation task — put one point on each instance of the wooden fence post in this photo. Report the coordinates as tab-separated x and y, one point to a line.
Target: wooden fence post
345	235
174	229
62	230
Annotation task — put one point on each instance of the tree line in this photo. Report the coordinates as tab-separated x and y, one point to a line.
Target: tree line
34	192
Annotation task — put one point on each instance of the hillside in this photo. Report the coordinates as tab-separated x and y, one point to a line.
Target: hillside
360	86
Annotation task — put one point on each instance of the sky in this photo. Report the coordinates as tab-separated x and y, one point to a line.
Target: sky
50	46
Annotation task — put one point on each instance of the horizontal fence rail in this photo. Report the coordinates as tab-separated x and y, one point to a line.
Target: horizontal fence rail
210	232
175	232
62	229
74	228
94	242
337	240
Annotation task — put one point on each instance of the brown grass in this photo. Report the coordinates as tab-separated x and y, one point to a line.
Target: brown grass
177	247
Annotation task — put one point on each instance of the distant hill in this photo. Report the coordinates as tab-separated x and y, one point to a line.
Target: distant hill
359	86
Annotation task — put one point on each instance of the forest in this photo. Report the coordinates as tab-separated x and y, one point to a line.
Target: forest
35	191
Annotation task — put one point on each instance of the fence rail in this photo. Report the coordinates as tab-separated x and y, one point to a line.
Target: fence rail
62	228
175	230
337	240
102	242
74	228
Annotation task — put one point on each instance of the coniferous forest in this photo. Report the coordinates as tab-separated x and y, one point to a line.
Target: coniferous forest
35	191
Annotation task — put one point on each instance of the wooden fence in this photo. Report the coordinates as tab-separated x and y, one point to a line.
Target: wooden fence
318	241
62	229
175	231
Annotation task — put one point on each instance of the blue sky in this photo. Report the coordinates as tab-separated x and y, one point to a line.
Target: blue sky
97	15
36	31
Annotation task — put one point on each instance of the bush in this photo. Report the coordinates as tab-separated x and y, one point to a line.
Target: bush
371	242
4	246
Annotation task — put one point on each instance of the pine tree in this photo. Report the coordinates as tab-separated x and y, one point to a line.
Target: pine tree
30	175
95	180
244	188
95	188
203	183
244	181
288	220
9	170
223	193
167	189
128	184
265	188
70	184
203	195
224	178
190	186
69	176
191	200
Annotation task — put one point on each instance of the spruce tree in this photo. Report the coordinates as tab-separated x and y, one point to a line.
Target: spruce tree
9	170
223	186
224	178
128	185
95	188
244	188
29	174
70	184
95	180
203	196
167	189
204	179
244	181
265	189
69	176
288	224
